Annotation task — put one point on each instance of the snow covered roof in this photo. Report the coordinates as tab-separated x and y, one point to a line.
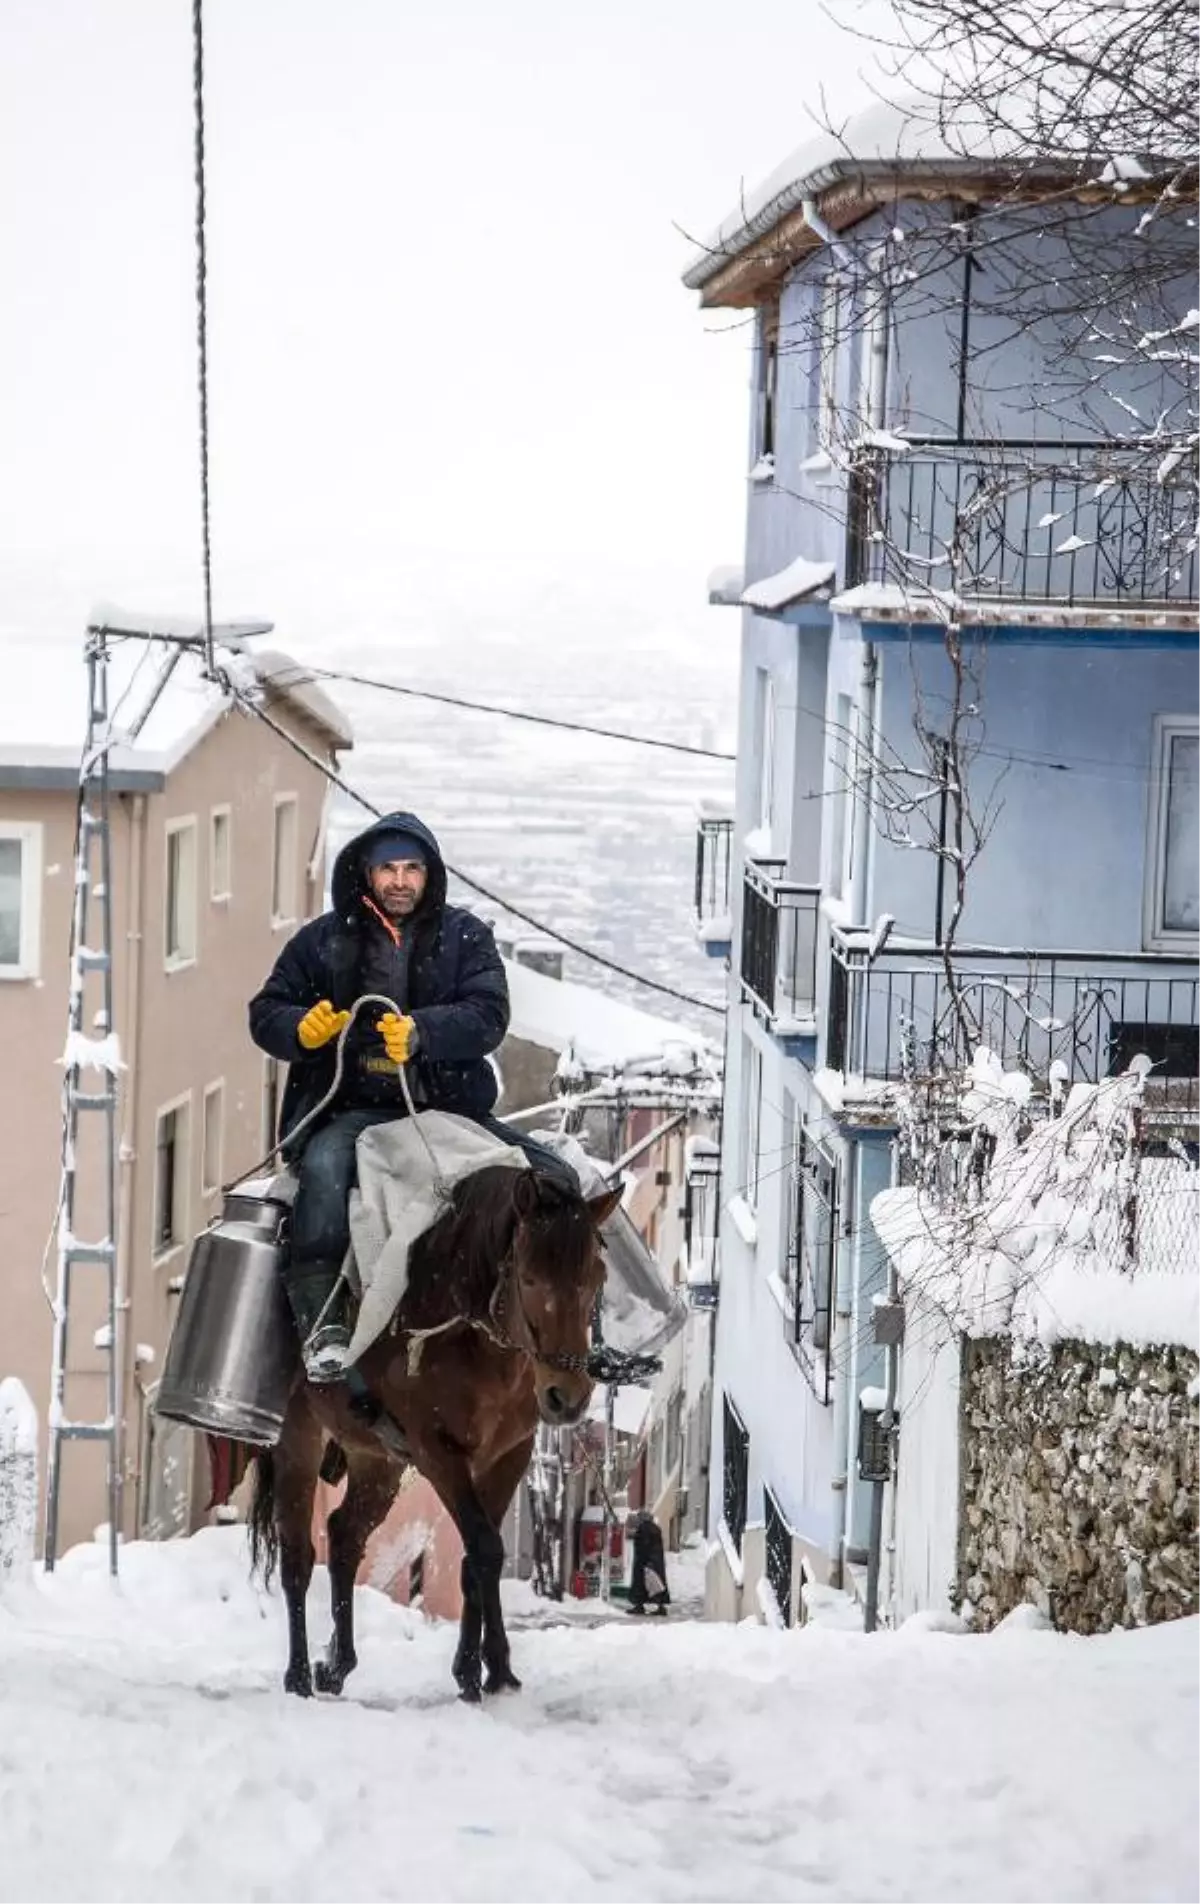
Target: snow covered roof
725	587
555	1014
799	579
914	138
888	137
161	706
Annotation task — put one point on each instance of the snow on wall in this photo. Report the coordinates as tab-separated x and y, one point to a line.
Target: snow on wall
18	1481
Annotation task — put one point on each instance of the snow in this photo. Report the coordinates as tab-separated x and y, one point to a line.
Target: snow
96	1054
887	136
1041	1255
872	1400
715	931
764	469
603	1031
18	1417
152	1754
45	725
848	1091
800	578
1072	544
725	587
875	439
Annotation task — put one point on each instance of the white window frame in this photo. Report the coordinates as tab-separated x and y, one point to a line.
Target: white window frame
180	961
285	918
766	742
181	1108
218	892
752	1088
213	1093
29	834
1156	936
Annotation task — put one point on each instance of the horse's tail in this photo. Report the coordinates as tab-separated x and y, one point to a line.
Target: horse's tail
264	1538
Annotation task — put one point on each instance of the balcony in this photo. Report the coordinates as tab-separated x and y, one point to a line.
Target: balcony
779	949
714	853
1059	526
1093	1013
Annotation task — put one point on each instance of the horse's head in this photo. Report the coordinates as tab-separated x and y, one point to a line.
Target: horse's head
556	1273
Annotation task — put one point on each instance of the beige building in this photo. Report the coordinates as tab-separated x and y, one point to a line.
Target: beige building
218	849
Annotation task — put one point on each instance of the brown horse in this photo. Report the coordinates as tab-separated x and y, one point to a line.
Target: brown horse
505	1282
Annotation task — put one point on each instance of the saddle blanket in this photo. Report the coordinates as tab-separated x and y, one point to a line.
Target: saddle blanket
400	1196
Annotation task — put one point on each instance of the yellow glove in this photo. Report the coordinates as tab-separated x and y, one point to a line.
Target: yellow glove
319	1025
399	1037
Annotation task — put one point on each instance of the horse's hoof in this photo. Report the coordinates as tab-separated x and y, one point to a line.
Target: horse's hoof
471	1694
299	1681
327	1678
504	1681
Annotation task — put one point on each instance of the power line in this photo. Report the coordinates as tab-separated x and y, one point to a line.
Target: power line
202	317
303	673
335	779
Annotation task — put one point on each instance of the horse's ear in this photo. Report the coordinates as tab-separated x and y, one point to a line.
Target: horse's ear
602	1207
525	1194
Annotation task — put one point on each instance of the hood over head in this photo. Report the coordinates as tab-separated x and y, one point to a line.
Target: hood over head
348	885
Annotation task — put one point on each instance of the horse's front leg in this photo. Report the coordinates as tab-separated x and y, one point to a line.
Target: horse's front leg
370	1490
495	1489
446	1467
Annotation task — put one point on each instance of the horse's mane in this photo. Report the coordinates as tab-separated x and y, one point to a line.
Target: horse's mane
455	1264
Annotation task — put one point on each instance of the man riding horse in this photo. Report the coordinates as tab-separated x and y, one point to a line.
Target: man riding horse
390	932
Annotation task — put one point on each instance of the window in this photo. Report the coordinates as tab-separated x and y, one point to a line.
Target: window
752	1119
220	860
170	1177
283	861
213	1139
270	1121
180	907
1172	904
20	899
768	380
814	1270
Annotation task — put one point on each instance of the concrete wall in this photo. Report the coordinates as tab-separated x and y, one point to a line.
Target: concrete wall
181	1031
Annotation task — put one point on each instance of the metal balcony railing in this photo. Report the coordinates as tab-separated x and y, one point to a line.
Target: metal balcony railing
735	1476
714	855
1092	1012
1057	524
779	945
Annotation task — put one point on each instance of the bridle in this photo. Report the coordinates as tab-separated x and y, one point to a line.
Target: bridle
497	1330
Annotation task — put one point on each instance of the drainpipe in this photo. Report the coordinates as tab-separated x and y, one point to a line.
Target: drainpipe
127	1154
816	224
841	1358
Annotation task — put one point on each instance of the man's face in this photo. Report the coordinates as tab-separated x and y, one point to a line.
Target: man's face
398	886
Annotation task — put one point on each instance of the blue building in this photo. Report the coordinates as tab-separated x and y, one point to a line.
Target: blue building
945	460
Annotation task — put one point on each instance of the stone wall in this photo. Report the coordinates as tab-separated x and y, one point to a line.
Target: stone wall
1078	1483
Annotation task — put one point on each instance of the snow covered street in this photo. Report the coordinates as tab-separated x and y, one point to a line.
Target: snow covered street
147	1751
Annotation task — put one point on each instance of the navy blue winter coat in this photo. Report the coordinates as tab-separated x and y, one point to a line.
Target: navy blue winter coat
457	990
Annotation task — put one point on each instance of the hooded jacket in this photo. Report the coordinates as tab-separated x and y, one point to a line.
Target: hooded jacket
457	993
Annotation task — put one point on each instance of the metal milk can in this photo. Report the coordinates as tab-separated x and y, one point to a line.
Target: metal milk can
233	1354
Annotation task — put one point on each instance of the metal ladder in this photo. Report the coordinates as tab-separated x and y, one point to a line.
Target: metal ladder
91	973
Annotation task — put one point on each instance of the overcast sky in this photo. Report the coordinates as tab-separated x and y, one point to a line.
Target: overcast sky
445	303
